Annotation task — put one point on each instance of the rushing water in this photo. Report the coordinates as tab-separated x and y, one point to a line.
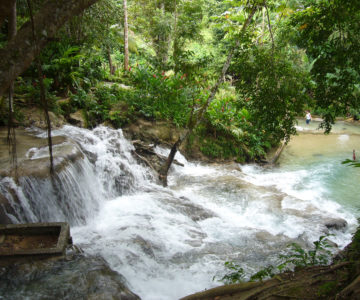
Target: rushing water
170	242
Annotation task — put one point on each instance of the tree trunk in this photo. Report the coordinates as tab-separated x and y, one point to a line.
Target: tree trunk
5	10
270	28
111	66
165	169
126	38
11	137
20	52
176	44
11	35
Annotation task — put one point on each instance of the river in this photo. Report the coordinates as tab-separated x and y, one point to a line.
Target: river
170	242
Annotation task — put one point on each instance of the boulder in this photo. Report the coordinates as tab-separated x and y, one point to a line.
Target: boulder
77	119
36	117
75	277
335	223
152	132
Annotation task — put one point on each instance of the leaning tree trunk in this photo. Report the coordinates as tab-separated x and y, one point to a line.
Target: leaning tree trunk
126	37
165	168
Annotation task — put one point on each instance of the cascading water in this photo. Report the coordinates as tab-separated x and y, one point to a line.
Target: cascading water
170	242
107	170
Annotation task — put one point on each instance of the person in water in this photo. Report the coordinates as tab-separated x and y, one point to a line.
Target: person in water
308	117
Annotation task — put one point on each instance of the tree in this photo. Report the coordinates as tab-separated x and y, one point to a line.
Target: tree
126	37
6	8
187	25
272	86
329	31
199	117
20	52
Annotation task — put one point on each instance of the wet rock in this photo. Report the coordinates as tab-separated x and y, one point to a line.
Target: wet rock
149	132
194	211
5	208
145	245
77	119
335	223
76	277
145	153
33	157
35	117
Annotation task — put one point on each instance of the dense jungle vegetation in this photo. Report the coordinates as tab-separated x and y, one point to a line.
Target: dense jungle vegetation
235	72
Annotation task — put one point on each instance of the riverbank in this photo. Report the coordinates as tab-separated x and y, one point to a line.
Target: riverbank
340	280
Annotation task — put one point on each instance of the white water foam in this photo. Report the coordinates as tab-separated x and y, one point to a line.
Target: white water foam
170	242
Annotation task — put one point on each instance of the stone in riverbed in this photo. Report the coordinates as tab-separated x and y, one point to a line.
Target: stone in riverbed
76	277
77	118
335	223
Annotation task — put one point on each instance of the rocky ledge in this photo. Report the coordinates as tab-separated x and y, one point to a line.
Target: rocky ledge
74	277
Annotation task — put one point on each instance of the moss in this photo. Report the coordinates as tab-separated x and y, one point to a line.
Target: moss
355	247
327	289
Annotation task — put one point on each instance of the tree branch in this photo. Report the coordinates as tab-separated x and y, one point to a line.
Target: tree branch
20	52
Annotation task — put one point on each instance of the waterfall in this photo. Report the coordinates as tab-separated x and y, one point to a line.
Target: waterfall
170	242
105	169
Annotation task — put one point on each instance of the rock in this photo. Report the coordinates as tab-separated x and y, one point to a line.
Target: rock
77	119
5	208
145	245
152	132
334	223
145	153
194	211
75	277
32	154
35	117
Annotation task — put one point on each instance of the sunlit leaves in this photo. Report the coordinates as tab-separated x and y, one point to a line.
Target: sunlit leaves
330	33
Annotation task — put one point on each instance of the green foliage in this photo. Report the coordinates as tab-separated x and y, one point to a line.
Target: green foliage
159	95
330	33
300	257
222	147
230	122
354	250
328	289
66	68
236	274
272	88
188	27
102	104
352	163
267	272
296	257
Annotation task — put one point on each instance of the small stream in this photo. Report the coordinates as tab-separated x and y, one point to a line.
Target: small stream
170	242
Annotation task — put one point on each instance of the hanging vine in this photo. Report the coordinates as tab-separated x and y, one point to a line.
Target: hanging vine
43	100
11	136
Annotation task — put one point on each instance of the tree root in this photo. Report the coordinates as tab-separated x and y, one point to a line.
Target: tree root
352	291
332	269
